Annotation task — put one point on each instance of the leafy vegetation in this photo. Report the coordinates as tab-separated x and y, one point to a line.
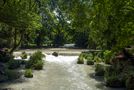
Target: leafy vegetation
14	64
113	78
38	65
12	74
5	56
99	69
24	55
108	56
130	83
90	62
90	58
28	73
80	60
36	61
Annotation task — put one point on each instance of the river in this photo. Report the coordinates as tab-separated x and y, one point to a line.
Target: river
60	73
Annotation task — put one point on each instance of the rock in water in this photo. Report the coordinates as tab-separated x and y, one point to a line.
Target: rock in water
55	54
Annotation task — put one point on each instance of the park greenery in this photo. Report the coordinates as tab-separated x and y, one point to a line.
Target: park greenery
107	25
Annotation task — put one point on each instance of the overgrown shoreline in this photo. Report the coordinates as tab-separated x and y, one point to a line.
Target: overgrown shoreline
117	70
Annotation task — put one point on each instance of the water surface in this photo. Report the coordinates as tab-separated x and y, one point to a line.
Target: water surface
60	73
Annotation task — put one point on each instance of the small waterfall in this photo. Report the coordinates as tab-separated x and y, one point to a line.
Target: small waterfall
62	59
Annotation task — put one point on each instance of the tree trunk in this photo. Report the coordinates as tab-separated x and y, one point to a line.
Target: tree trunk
16	45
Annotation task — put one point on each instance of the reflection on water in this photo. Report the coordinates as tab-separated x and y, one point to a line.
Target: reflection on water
60	73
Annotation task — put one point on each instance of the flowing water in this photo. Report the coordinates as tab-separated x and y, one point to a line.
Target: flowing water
60	73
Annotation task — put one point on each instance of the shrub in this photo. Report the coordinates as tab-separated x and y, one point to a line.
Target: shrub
80	60
99	69
84	55
12	74
128	74
130	82
14	64
38	65
90	62
24	55
89	56
35	61
100	54
108	56
97	59
114	81
28	73
5	56
37	56
113	78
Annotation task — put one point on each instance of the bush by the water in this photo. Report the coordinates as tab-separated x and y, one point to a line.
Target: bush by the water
14	64
90	62
113	78
80	60
114	81
28	73
99	69
130	82
36	61
97	59
24	55
38	55
128	74
108	55
85	56
55	54
5	56
12	74
89	59
38	65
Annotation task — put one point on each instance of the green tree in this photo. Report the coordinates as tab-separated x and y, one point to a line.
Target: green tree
20	17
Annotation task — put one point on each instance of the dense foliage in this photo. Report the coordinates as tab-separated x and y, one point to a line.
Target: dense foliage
105	24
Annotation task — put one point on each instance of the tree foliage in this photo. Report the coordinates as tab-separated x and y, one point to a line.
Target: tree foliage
105	24
18	17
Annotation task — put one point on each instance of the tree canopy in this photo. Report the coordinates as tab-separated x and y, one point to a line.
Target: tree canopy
105	24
